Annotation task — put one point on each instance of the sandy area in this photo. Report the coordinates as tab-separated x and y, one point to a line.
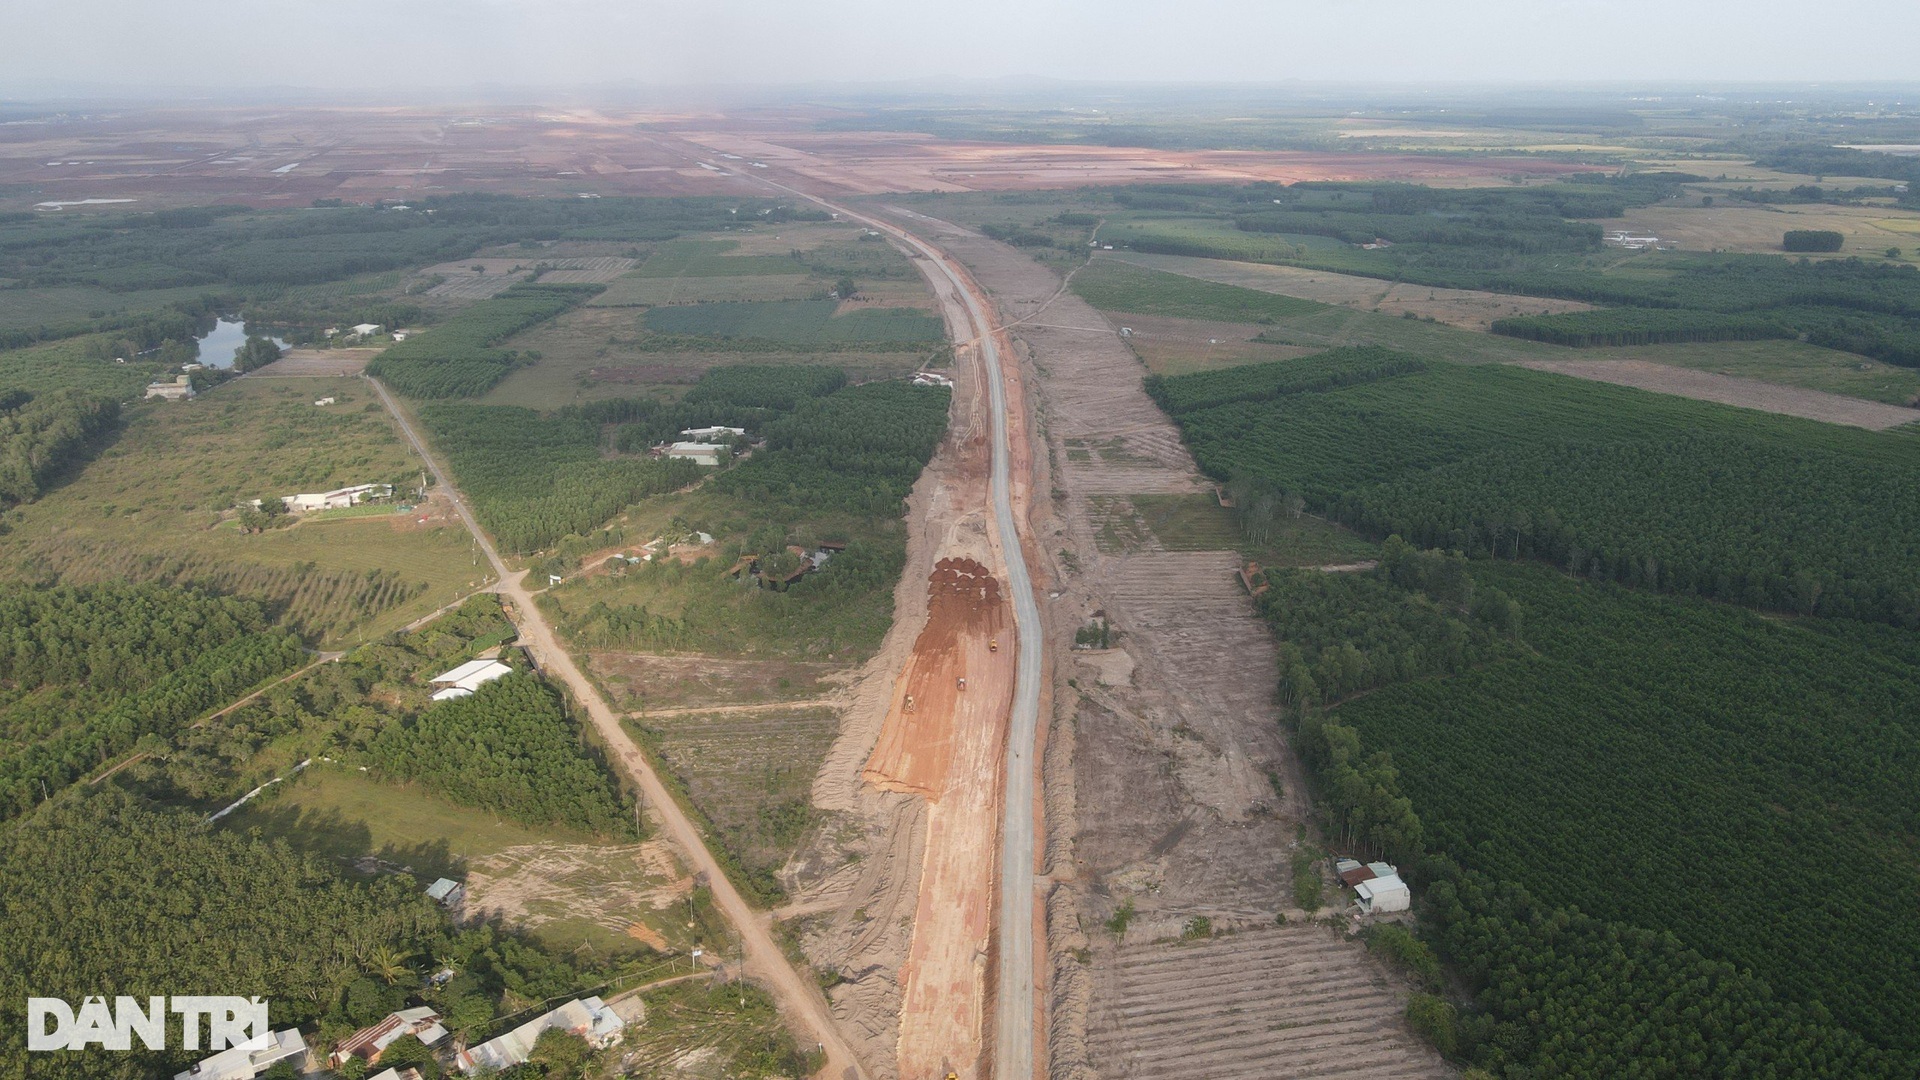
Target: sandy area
1728	390
870	162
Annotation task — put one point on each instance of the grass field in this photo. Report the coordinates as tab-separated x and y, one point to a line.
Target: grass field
345	818
158	504
589	354
799	323
1117	286
750	775
639	290
1200	523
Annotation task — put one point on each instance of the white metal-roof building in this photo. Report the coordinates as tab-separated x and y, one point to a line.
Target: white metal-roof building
471	675
367	329
445	891
712	434
589	1018
1383	894
249	1059
699	452
337	499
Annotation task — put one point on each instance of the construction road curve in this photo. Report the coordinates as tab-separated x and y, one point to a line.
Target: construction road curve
1014	1018
799	998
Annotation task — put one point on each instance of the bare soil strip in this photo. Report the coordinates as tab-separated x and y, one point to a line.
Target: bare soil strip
1166	763
943	740
1729	390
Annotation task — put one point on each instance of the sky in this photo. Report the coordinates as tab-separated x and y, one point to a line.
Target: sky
373	45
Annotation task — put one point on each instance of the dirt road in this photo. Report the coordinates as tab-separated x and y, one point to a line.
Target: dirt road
799	998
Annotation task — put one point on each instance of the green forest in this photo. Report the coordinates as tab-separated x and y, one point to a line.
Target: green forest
534	479
1611	482
509	748
43	437
457	358
90	673
1608	776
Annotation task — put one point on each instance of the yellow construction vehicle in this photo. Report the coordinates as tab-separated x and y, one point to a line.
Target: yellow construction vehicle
993	644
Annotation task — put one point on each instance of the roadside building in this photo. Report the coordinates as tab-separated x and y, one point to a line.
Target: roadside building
337	499
589	1018
370	1042
180	389
249	1059
931	378
710	454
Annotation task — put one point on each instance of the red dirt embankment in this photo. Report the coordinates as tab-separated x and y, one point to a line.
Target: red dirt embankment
948	750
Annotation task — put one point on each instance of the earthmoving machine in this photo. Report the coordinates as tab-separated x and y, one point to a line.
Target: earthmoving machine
963	682
993	644
909	706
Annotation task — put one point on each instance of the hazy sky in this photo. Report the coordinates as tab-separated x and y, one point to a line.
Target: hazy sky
372	44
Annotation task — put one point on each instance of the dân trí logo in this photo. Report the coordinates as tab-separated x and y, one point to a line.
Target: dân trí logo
53	1024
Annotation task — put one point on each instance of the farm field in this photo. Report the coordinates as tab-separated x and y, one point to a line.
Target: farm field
1179	346
1869	230
159	503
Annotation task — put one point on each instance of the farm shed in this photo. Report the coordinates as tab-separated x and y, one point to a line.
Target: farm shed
1383	894
470	676
367	329
445	892
698	452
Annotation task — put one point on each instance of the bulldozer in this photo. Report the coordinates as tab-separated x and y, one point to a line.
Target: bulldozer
993	644
909	705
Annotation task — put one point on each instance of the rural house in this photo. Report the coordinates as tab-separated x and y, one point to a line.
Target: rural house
589	1018
1377	886
180	389
712	434
369	1042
